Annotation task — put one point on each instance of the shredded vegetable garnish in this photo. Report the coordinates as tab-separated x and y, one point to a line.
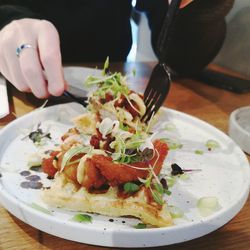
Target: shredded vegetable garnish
157	196
175	212
173	144
169	127
212	144
171	180
75	150
208	205
40	208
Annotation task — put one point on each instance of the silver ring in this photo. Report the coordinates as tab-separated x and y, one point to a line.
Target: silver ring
22	47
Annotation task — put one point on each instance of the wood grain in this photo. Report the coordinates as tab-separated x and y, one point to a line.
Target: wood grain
192	97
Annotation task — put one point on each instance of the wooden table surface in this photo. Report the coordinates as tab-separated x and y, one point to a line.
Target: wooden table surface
208	103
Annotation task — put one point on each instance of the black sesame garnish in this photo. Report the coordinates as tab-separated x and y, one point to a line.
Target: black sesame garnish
123	221
25	184
47	152
111	220
25	173
50	177
35	185
0	175
176	169
31	184
130	151
36	168
147	154
33	178
164	184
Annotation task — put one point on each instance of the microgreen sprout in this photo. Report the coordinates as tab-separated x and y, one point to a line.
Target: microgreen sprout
37	135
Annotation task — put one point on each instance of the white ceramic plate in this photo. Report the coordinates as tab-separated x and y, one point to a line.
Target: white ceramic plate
225	175
75	77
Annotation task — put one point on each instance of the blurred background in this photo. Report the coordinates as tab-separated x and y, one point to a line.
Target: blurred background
234	55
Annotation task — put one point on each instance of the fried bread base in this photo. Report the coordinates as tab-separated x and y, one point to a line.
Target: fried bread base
65	194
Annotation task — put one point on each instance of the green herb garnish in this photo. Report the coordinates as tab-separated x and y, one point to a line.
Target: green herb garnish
37	135
106	66
130	187
159	188
167	192
199	152
140	226
212	144
82	218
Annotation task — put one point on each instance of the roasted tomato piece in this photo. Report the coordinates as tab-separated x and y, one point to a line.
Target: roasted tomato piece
161	153
47	164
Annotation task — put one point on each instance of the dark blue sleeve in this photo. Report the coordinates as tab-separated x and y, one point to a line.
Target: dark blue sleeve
9	13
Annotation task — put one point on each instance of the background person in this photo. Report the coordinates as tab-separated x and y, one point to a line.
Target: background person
91	30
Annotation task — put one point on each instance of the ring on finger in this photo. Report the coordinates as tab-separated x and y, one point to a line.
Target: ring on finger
22	47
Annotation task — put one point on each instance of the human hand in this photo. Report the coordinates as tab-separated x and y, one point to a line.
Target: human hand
184	3
37	69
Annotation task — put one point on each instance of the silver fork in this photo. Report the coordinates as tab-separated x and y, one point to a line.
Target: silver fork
160	79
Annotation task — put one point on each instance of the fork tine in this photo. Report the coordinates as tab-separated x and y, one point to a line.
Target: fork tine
153	101
149	97
159	103
147	92
150	106
149	87
156	97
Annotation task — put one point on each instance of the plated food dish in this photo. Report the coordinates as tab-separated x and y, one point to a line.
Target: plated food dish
110	160
219	178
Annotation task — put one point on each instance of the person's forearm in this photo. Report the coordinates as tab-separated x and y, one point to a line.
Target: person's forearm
9	13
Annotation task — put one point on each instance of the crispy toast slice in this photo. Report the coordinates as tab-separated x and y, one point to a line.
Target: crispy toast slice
67	195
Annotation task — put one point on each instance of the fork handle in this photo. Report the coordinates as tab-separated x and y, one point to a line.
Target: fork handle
167	29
